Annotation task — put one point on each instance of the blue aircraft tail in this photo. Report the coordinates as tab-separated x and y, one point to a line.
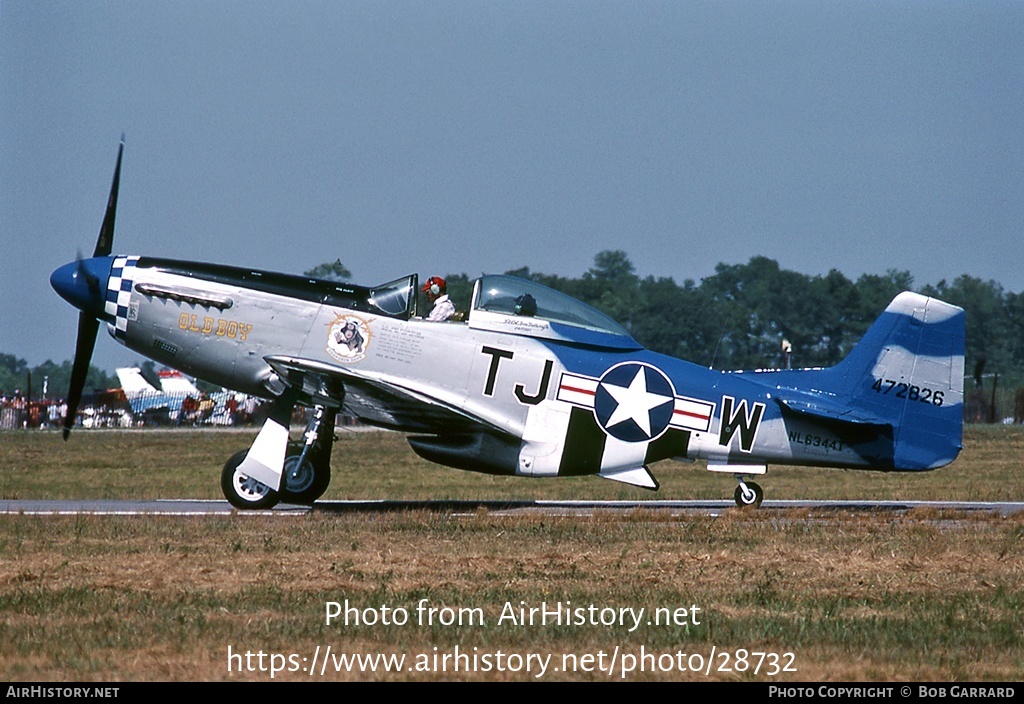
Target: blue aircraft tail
901	385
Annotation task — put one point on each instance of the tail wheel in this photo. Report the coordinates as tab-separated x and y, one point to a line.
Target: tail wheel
749	494
241	490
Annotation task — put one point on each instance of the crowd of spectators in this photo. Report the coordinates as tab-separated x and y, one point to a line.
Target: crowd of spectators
113	410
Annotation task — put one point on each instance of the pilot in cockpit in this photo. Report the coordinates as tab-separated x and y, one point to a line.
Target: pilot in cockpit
526	305
437	294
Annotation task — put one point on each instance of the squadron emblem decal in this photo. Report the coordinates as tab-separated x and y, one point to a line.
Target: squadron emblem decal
348	338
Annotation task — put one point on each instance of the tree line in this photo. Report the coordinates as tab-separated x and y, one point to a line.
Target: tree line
49	379
739	317
736	318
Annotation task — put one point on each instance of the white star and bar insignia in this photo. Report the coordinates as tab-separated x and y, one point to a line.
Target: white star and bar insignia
635	402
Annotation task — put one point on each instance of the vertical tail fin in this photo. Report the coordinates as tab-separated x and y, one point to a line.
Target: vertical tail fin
908	370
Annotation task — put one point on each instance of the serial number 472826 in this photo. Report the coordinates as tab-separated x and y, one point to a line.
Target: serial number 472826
910	392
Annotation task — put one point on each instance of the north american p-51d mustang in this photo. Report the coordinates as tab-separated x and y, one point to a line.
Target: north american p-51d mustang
549	388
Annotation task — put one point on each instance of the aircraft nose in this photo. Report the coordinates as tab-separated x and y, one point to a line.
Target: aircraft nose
83	284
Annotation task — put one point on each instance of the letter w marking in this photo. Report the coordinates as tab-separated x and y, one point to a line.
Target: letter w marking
739	418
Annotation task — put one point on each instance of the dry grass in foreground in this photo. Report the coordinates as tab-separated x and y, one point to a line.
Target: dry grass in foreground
853	598
924	597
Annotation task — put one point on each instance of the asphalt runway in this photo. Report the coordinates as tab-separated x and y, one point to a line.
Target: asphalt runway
190	507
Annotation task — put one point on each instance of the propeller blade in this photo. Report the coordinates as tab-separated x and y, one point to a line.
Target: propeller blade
105	242
89	326
87	329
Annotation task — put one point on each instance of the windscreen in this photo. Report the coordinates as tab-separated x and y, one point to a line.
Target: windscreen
395	298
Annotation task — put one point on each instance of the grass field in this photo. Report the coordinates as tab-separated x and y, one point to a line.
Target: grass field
374	465
747	595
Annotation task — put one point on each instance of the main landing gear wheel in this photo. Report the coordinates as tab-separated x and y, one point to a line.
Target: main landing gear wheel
304	482
241	490
749	494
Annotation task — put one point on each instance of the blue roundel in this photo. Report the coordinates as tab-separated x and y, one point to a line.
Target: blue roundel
634	402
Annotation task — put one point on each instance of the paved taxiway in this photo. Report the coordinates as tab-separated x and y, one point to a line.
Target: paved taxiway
188	507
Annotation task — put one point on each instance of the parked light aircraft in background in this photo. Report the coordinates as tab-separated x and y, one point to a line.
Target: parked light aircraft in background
167	394
165	397
550	389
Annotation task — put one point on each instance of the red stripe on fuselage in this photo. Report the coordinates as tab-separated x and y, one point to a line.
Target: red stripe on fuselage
563	387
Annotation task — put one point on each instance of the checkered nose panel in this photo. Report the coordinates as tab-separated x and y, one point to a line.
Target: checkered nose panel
119	293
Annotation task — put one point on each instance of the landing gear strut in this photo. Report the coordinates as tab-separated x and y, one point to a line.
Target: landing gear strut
748	494
306	472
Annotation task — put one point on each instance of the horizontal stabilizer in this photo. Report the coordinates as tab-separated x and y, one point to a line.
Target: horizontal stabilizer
823	409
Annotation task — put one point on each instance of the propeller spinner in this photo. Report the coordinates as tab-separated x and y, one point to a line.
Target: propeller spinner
83	283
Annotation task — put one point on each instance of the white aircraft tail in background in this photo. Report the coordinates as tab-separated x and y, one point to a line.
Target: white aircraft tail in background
144	397
133	383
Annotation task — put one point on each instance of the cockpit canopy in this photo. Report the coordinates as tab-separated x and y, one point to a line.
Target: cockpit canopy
506	304
509	304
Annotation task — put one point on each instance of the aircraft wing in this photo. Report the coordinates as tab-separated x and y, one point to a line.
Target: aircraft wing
377	399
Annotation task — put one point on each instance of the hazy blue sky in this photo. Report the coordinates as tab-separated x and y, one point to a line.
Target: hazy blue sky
444	136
